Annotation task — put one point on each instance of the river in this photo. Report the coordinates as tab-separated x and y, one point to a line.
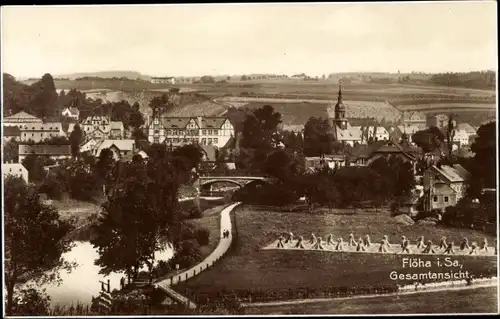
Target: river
81	284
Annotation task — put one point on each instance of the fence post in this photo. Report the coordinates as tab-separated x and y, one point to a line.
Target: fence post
179	279
186	276
201	268
194	272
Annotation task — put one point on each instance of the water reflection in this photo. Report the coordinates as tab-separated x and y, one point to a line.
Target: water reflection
83	282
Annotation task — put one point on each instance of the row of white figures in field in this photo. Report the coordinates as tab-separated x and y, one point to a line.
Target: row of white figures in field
362	244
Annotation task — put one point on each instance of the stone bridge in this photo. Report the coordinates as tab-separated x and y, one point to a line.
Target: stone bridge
204	183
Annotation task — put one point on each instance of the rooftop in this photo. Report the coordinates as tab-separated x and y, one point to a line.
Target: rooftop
455	173
44	149
21	115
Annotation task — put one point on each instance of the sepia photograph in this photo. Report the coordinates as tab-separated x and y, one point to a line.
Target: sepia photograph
236	159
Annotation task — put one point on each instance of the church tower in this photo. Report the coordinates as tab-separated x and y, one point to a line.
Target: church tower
340	111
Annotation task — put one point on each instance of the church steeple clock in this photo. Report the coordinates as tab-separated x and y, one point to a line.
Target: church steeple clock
340	110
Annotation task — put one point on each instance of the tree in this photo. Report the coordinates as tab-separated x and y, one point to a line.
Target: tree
207	79
35	165
280	164
429	139
139	135
450	133
135	118
105	168
82	184
11	151
75	140
190	154
44	101
138	219
260	129
31	301
317	138
483	166
35	238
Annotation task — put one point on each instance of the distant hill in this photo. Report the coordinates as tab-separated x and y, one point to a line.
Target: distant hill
105	74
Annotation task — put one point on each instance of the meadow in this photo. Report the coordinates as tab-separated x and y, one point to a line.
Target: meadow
479	300
298	100
249	268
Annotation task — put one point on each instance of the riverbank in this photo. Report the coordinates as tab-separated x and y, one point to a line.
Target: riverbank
80	285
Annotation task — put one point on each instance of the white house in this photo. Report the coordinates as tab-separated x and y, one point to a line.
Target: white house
71	112
119	148
461	136
15	169
38	132
163	80
178	131
378	133
102	127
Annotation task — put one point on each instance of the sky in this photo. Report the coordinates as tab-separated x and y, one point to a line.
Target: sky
194	40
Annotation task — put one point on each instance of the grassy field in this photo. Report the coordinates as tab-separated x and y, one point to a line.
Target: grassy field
211	221
480	300
248	267
289	97
446	106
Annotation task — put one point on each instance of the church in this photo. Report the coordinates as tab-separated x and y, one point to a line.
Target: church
340	127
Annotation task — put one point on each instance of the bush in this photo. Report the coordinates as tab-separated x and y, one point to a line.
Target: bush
203	236
435	213
31	302
195	213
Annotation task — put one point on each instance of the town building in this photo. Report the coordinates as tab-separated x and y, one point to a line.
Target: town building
315	163
439	120
11	133
16	170
410	206
55	152
20	119
119	148
71	112
461	137
295	128
100	127
177	131
163	80
444	186
417	119
364	155
409	130
339	125
377	133
38	132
